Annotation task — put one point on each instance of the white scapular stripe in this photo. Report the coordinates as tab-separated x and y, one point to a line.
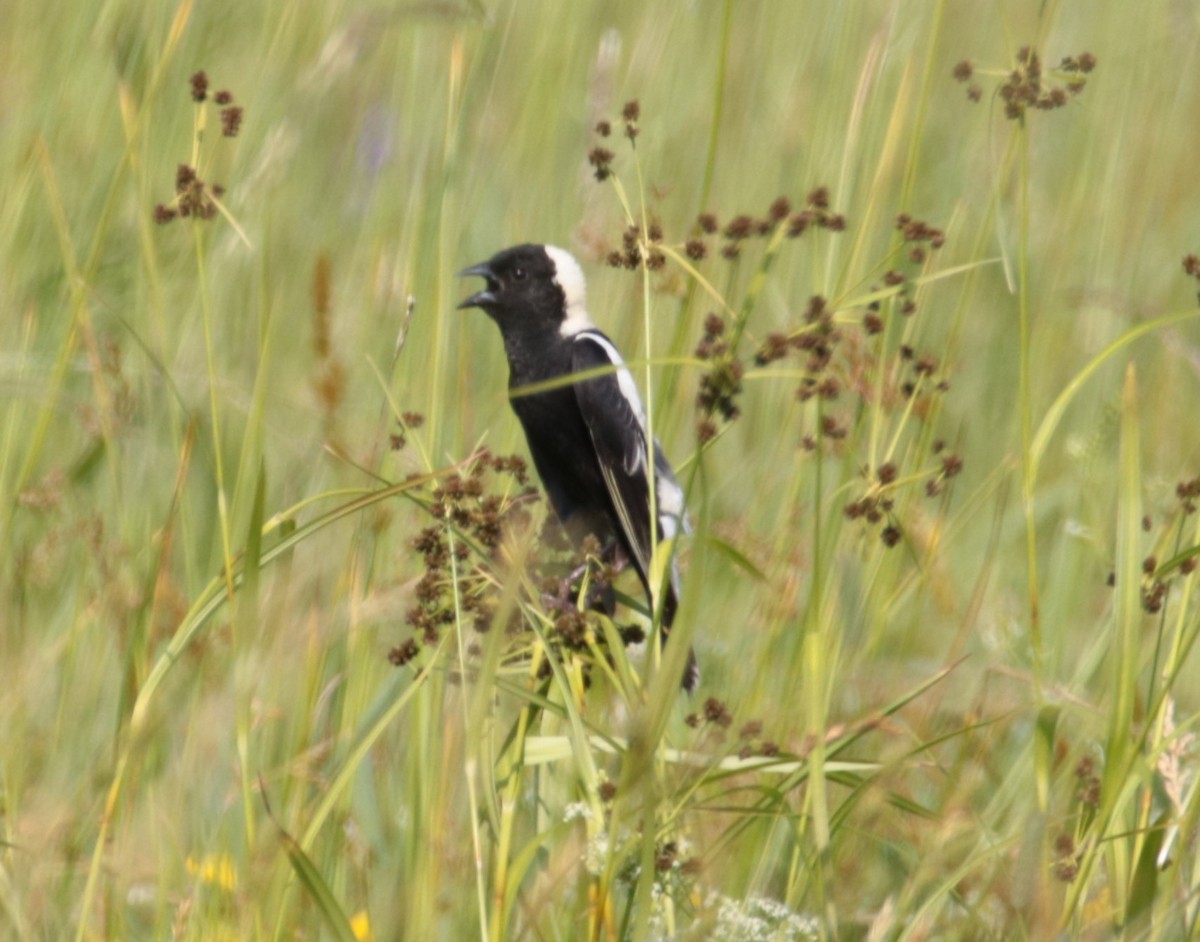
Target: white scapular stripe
668	494
625	383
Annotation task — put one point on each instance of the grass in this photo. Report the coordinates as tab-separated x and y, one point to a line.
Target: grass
925	713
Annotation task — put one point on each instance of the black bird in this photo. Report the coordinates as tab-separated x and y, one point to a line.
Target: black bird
588	439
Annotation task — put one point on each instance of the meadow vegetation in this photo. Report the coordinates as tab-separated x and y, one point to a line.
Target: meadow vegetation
911	294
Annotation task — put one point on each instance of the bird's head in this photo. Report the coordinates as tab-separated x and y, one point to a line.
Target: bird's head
531	287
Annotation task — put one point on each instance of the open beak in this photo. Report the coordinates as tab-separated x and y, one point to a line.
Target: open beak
487	295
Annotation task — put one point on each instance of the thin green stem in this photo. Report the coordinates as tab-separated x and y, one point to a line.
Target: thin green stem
718	109
473	741
648	343
815	675
1026	409
214	408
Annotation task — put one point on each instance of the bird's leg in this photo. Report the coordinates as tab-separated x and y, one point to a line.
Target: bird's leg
575	574
611	560
599	593
561	600
614	557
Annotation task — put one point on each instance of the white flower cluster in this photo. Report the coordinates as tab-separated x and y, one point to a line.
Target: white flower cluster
760	919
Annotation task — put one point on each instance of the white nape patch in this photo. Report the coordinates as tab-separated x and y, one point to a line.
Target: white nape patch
569	276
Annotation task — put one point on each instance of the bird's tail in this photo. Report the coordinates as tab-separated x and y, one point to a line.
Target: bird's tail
691	671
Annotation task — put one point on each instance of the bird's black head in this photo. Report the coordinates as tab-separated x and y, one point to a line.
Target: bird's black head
531	288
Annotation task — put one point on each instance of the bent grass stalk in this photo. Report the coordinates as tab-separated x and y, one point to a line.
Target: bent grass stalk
215	595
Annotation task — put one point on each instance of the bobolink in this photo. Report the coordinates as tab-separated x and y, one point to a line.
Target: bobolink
588	438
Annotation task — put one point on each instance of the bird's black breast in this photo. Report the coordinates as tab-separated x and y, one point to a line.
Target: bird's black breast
561	446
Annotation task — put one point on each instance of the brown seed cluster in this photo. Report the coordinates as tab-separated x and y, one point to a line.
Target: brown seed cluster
817	342
473	513
600	157
635	248
462	506
817	213
199	83
1191	267
918	235
963	72
743	227
1188	493
572	629
832	367
1088	782
920	238
231	117
575	628
666	855
873	508
1066	867
1155	584
404	652
639	248
714	713
631	113
1029	86
951	466
1154	591
922	367
716	717
408	421
753	743
722	383
876	504
193	196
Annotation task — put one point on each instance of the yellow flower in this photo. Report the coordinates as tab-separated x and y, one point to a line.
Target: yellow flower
215	870
360	925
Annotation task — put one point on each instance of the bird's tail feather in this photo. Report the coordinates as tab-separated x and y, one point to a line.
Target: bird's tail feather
691	672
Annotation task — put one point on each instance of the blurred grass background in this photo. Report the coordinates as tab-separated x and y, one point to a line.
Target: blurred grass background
391	145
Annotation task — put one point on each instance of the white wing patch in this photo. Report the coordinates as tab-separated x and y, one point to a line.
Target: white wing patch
628	389
569	276
668	496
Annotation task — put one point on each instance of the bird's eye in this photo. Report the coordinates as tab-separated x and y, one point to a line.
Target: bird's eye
518	274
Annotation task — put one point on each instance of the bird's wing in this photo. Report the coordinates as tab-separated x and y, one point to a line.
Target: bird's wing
613	414
614	417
